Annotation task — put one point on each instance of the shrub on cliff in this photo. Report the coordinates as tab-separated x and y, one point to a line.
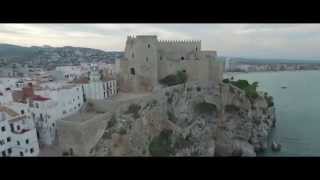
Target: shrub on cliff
269	100
230	108
179	78
225	80
205	108
134	110
162	144
250	89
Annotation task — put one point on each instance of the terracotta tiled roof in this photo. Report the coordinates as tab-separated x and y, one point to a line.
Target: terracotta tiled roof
39	98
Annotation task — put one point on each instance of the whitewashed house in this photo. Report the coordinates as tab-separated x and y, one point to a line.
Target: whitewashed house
17	134
54	101
98	89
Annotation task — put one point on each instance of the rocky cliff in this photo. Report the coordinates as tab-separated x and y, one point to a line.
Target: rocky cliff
193	119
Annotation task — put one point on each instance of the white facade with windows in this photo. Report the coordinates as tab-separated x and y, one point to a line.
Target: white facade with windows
17	134
56	101
97	89
100	90
69	73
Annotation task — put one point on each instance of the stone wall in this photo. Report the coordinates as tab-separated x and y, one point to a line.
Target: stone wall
81	137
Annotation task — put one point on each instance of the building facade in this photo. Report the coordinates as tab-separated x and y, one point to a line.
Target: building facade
17	134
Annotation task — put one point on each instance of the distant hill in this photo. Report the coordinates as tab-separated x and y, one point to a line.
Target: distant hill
55	55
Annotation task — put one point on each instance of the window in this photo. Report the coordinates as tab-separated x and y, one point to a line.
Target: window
21	153
8	139
79	105
160	57
78	97
147	59
132	55
52	124
148	45
3	128
18	143
37	105
132	71
22	111
31	150
196	48
182	58
9	151
2	142
27	141
11	126
18	127
3	153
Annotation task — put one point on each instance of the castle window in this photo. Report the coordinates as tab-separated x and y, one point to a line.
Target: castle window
132	55
148	45
196	48
132	71
160	57
22	111
147	59
182	58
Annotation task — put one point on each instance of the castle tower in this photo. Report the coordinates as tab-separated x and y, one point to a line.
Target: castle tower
141	53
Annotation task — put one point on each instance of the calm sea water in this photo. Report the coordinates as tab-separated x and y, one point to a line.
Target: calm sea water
297	109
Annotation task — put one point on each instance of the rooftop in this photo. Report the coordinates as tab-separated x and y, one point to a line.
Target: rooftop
39	98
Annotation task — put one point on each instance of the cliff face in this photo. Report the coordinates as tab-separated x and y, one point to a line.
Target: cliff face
194	119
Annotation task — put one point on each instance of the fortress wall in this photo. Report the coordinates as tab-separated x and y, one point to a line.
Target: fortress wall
196	69
81	136
216	71
177	49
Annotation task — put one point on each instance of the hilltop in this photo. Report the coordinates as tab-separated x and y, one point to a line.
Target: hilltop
45	55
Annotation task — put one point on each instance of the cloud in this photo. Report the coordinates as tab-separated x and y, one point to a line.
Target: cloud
296	41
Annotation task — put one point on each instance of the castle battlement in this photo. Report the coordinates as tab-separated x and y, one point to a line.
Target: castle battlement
184	44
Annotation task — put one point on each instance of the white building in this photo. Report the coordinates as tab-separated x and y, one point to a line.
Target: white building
54	101
97	89
68	73
17	134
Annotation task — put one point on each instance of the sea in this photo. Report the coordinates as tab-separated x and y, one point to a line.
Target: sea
297	101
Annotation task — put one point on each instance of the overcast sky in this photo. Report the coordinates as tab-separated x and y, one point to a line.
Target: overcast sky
285	41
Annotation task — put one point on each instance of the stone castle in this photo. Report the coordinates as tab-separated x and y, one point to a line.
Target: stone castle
148	60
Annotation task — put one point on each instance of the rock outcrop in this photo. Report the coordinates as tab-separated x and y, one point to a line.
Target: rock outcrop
193	119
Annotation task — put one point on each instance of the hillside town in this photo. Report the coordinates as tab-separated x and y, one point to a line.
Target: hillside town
33	99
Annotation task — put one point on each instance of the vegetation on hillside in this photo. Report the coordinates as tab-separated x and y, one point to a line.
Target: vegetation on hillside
205	108
161	145
249	89
179	78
